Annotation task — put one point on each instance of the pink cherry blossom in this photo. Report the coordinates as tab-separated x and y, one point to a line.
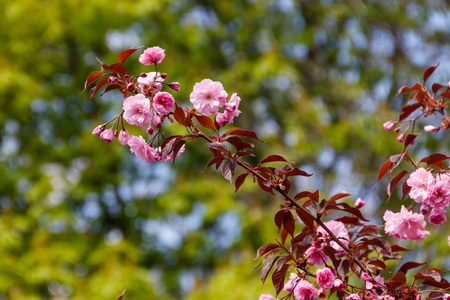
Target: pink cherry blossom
325	278
388	125
437	216
424	209
440	192
315	256
163	103
338	284
208	96
289	286
359	203
142	150
322	293
153	55
339	230
152	81
421	182
305	290
230	111
98	130
353	297
405	225
124	136
137	110
107	135
157	122
266	297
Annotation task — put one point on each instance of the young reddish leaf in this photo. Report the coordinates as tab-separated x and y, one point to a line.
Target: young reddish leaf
399	277
289	223
345	207
396	248
443	284
306	219
110	88
239	181
176	149
268	256
428	72
435	158
302	195
229	169
265	185
378	264
395	181
409	139
218	147
445	94
369	230
266	268
410	265
349	220
93	76
265	249
117	68
339	195
99	85
205	122
383	169
297	172
314	196
238	143
396	160
168	144
436	87
216	160
179	115
405	190
283	235
272	158
278	278
120	297
430	273
405	89
126	53
279	217
408	110
242	132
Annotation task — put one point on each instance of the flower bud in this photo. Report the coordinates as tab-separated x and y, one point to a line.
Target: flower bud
366	277
338	284
424	209
116	133
322	293
400	137
429	128
359	203
143	75
388	125
163	75
112	79
397	130
124	136
174	86
130	86
107	135
157	121
98	130
126	76
150	129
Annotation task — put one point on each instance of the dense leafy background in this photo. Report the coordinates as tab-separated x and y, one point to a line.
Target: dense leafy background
83	219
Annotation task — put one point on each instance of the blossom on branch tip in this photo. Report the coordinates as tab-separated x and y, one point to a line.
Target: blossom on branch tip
230	111
440	192
163	103
389	125
142	150
208	96
325	278
151	82
98	130
107	135
137	110
429	128
153	55
405	225
266	297
353	297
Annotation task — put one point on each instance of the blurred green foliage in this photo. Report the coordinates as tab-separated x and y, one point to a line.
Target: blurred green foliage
82	219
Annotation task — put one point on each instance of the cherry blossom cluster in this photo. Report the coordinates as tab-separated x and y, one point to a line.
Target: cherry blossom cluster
147	106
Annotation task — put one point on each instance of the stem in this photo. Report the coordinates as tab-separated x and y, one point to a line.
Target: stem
298	206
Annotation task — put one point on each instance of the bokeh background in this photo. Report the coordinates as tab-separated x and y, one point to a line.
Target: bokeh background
82	219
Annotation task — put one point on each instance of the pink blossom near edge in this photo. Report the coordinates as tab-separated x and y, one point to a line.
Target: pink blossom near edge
151	81
339	230
152	55
421	182
388	125
230	111
406	225
98	130
439	196
137	110
107	135
325	278
142	150
315	256
266	297
359	203
437	216
124	136
208	96
353	297
289	286
305	290
163	103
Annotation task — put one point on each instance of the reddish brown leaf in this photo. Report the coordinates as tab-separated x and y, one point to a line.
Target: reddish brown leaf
409	139
268	256
126	53
265	249
445	94
266	268
93	76
443	284
405	89
289	223
229	169
272	158
314	196
176	149
306	219
429	274
395	181
218	147
120	297
410	265
302	195
349	220
117	68
379	265
339	195
216	160
407	110
297	172
279	217
428	72
238	143
436	158
205	122
383	169
168	144
99	85
242	132
405	190
436	87
369	230
110	88
399	277
179	115
239	181
278	278
396	248
283	235
265	185
396	160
